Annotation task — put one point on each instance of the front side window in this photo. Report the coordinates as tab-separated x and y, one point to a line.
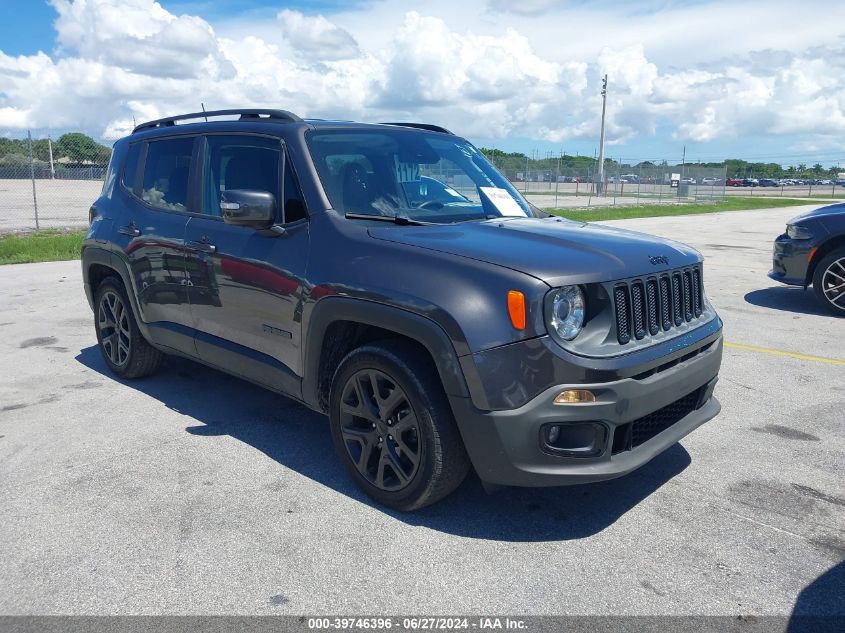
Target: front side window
249	162
421	176
166	171
239	162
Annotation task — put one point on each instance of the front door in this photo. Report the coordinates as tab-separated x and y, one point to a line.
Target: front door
245	287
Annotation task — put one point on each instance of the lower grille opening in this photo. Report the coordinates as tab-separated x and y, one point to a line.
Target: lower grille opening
633	434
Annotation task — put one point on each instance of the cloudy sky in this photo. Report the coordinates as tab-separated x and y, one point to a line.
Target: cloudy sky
725	78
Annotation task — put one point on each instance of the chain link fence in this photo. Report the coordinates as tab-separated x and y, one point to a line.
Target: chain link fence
574	181
567	181
46	183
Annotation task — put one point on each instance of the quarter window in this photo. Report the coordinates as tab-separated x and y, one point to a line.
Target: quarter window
130	167
166	171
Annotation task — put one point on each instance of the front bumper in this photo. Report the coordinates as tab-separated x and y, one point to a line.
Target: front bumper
506	448
790	260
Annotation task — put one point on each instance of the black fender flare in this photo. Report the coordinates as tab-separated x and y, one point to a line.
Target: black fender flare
410	324
96	255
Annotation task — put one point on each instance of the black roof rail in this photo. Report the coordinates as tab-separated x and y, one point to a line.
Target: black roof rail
422	126
245	115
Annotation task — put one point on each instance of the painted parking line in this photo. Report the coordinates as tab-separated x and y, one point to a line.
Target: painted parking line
780	352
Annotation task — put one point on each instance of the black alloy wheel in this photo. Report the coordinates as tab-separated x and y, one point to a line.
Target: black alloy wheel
379	429
392	425
829	281
125	350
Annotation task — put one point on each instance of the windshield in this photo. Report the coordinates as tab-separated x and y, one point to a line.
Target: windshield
411	174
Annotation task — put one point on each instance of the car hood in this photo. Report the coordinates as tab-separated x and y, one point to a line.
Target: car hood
831	209
557	251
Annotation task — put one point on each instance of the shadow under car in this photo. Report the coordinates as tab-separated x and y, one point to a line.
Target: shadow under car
788	299
298	438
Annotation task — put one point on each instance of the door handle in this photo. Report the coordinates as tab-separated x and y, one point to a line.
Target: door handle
131	230
202	245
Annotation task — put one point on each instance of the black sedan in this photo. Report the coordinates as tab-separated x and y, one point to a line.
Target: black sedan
812	251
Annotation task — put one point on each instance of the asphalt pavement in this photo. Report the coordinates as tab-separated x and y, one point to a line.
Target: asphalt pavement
193	492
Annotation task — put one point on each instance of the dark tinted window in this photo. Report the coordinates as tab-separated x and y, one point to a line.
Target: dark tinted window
294	202
130	166
166	170
239	162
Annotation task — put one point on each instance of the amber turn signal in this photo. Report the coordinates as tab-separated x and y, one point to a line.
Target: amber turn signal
516	309
575	396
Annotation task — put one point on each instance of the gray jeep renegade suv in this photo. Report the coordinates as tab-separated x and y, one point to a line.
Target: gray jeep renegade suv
388	276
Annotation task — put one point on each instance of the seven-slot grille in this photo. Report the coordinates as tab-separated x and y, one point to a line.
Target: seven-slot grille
658	302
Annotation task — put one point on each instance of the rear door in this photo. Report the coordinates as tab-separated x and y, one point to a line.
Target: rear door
151	233
246	285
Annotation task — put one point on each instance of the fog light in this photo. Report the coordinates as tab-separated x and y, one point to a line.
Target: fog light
574	396
574	439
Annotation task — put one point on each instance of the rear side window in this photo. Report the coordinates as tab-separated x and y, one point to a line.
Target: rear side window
130	166
166	170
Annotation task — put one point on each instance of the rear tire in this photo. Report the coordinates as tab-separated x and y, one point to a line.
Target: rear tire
829	281
125	350
393	428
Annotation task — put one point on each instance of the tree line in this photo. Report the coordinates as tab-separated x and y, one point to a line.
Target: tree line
73	148
513	163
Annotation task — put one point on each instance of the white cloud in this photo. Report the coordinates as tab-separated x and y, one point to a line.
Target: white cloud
479	73
139	36
314	37
524	7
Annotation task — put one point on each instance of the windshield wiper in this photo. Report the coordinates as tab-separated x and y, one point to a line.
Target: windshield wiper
395	219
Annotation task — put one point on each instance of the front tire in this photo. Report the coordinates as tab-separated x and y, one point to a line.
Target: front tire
125	350
829	281
393	428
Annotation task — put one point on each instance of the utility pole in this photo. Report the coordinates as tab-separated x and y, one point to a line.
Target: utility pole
600	183
525	178
32	177
50	148
557	177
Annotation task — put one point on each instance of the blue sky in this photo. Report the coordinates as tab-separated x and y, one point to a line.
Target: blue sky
518	75
27	28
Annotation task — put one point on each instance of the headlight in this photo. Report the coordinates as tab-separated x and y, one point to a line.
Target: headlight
797	232
565	312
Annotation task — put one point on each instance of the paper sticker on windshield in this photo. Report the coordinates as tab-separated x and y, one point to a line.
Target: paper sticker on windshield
503	201
406	172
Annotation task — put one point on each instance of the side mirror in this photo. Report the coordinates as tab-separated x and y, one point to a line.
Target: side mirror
245	207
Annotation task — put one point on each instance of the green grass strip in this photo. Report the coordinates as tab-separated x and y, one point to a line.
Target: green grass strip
40	246
659	210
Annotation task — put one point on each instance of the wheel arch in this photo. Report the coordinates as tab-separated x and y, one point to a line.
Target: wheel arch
340	324
822	251
97	265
